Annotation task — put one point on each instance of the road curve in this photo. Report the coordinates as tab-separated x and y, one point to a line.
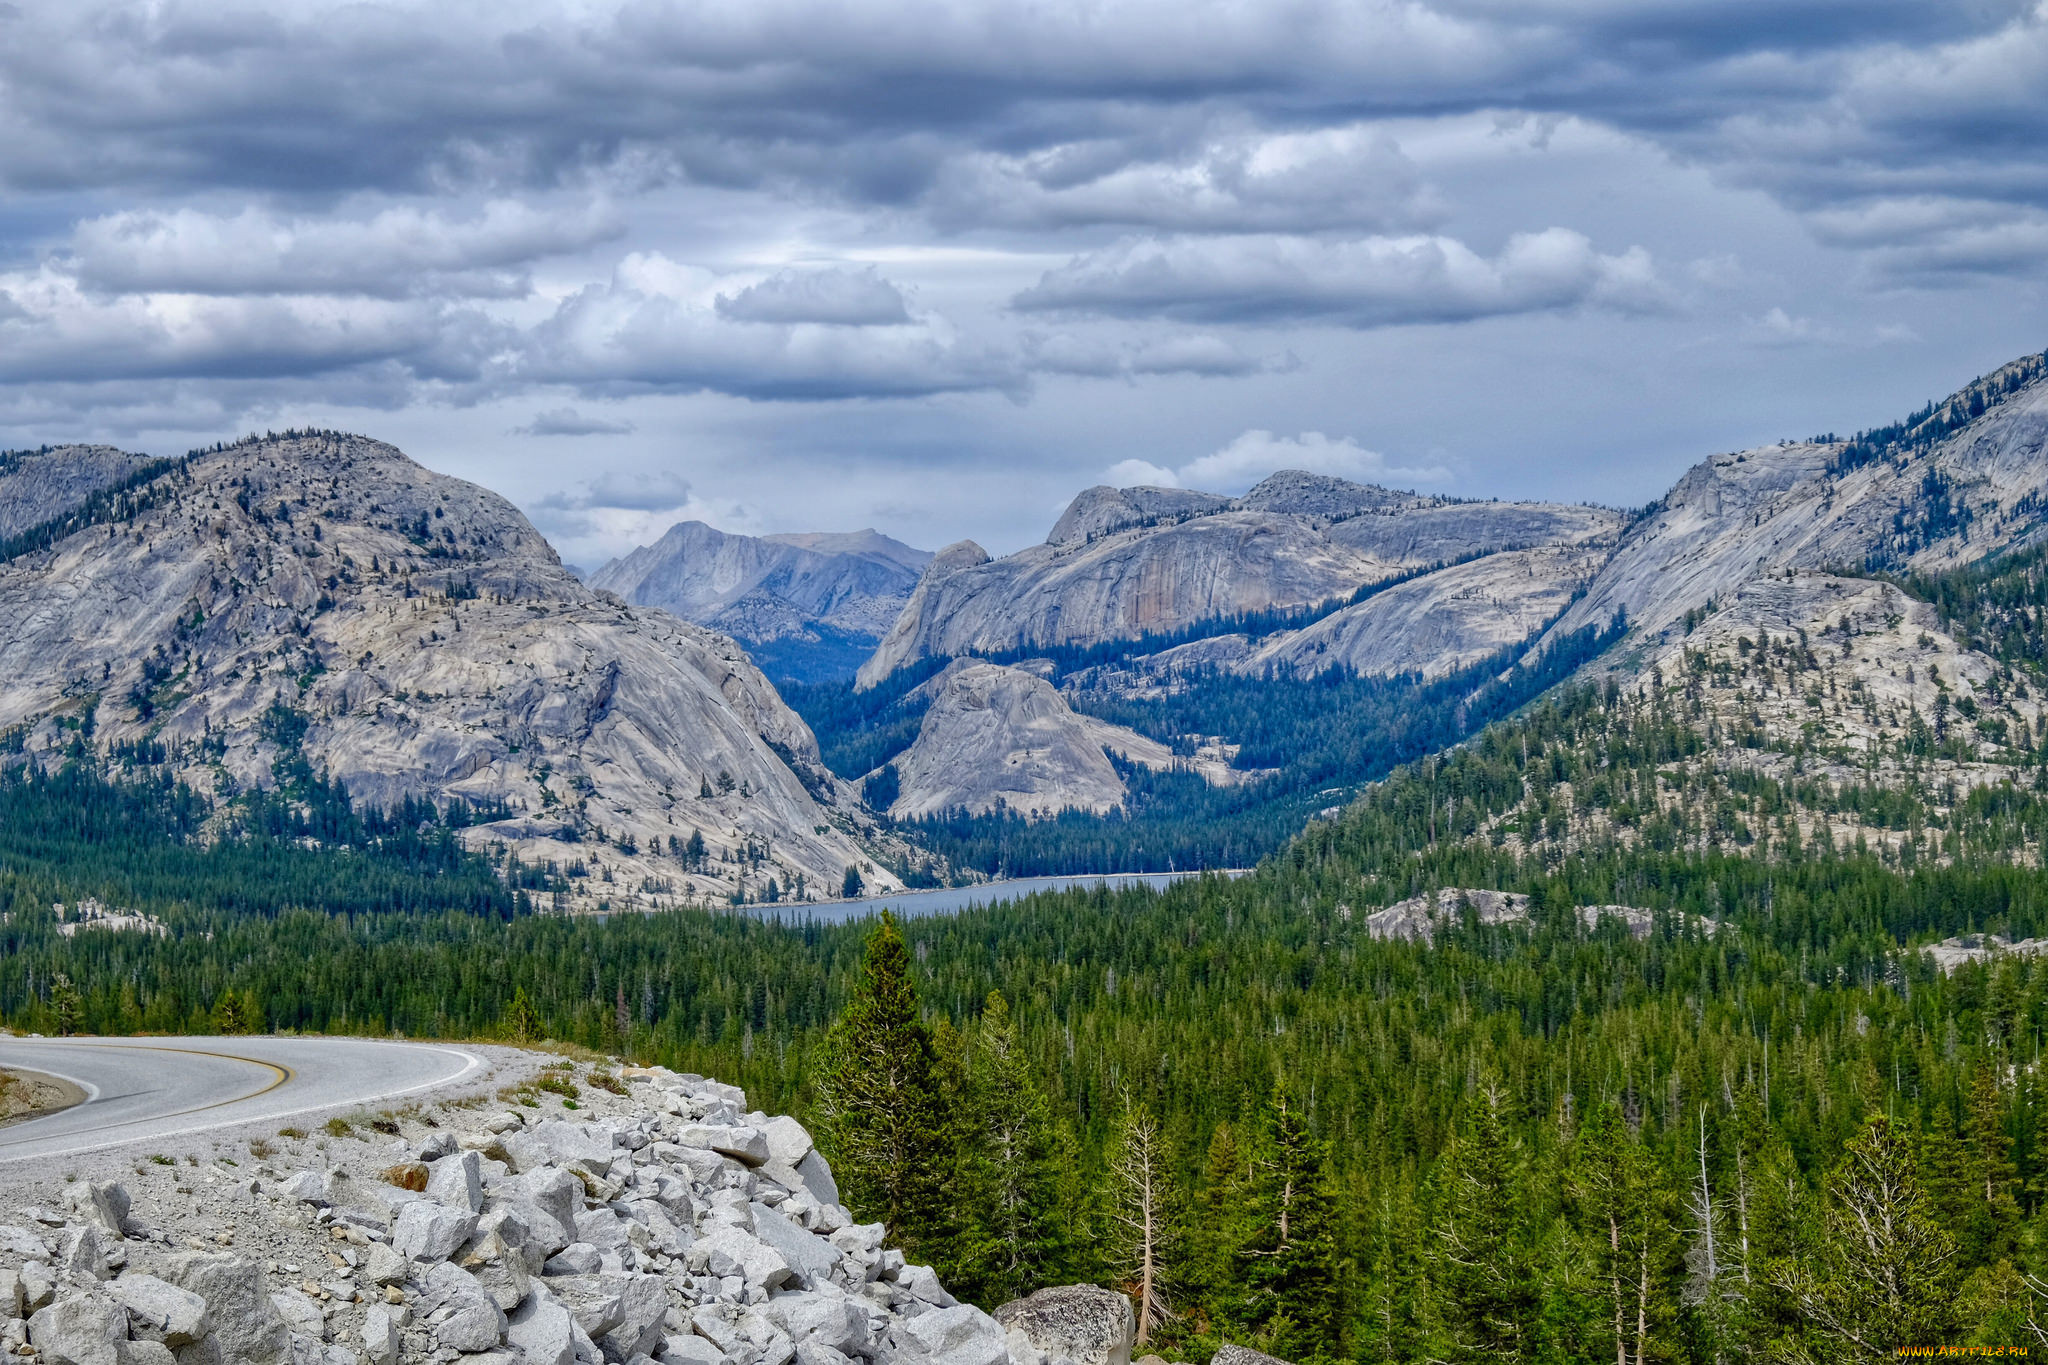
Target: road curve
145	1089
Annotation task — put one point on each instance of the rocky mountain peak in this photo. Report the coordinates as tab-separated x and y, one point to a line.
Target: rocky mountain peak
424	642
1297	492
1102	511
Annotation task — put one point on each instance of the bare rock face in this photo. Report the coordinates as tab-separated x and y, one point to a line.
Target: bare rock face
770	587
413	636
37	486
1001	736
1441	621
1126	562
1803	506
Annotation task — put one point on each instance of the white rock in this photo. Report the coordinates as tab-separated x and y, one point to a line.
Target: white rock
741	1143
427	1231
962	1335
578	1258
923	1282
161	1311
463	1315
105	1204
383	1266
457	1181
826	1317
543	1330
79	1329
811	1259
380	1336
300	1313
246	1327
690	1349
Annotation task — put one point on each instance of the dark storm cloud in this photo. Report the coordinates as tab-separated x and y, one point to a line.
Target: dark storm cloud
1141	114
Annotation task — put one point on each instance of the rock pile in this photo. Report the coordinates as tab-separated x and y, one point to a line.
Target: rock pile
674	1228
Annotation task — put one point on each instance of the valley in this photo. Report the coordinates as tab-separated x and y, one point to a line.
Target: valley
1673	870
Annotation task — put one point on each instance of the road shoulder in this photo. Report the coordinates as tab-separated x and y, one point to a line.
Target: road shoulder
26	1094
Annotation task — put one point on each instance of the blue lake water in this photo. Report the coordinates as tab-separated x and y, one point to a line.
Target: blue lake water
948	900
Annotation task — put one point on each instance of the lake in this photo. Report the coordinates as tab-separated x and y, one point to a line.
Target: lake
951	899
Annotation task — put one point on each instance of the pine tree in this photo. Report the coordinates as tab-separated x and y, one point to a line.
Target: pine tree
1987	1234
885	1120
1882	1270
1008	1180
1287	1261
1144	1202
1211	1263
1623	1214
522	1022
236	1012
67	1005
1482	1278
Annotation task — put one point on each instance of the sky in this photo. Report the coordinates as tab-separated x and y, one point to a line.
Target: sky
933	267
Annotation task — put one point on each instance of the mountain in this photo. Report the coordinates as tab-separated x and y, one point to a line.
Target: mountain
1125	564
804	602
1958	480
997	738
319	601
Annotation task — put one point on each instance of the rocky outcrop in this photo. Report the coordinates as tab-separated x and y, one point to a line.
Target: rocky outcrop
1125	563
1002	737
1807	506
412	636
770	587
666	1224
1418	918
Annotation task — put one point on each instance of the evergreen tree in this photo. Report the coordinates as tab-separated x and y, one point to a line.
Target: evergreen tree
1482	1283
1624	1217
1211	1264
1144	1203
1880	1275
1987	1234
67	1005
1287	1259
886	1123
522	1023
1011	1193
236	1012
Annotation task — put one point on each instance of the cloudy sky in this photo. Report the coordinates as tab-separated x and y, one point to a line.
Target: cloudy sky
932	266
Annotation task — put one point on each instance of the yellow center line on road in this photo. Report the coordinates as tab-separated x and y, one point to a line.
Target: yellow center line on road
283	1074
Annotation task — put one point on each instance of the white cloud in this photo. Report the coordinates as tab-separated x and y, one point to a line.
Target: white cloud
1255	454
400	252
634	334
570	422
1365	282
1353	176
845	298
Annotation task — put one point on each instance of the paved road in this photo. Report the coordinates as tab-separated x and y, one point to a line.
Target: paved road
144	1089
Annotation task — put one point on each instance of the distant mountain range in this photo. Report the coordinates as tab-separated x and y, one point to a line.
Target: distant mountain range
1172	678
1143	598
807	606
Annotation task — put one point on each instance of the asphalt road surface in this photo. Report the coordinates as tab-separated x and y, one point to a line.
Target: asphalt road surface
141	1089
